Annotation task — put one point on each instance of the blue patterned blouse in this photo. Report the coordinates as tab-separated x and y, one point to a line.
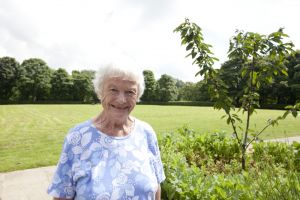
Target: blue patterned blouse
96	166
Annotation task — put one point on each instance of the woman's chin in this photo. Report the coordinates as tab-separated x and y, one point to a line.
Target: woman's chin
119	115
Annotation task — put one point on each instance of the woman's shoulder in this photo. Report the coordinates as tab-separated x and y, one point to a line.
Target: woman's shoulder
146	130
82	126
142	125
78	131
148	133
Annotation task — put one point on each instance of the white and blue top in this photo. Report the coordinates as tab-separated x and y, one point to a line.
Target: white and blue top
96	166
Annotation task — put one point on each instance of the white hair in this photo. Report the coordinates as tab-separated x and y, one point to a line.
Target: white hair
113	70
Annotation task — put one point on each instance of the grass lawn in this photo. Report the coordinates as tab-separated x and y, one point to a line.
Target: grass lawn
32	135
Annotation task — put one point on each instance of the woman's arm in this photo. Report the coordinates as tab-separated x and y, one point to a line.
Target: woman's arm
158	193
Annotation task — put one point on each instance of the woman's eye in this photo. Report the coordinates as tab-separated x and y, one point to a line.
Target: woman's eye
113	90
131	93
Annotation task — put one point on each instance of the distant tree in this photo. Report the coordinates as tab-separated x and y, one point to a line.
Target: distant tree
90	94
150	87
179	83
9	74
230	74
167	88
202	93
35	80
89	73
293	66
61	83
277	91
187	92
82	86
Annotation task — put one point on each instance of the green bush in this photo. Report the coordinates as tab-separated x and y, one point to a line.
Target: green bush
207	166
296	146
277	153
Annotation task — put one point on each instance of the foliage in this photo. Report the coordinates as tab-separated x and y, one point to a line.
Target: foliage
284	90
230	74
61	85
293	65
150	86
82	88
277	153
193	92
247	52
218	175
167	90
9	75
35	80
187	92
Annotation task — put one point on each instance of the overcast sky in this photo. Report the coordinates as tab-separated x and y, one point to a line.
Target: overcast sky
83	34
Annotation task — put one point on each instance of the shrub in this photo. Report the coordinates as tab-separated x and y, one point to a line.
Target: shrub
276	153
206	166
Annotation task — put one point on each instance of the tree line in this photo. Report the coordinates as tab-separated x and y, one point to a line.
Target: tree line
284	89
34	81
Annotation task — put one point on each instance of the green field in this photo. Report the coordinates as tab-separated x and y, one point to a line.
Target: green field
32	135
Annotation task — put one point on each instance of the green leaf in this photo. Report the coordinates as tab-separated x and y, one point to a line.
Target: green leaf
184	31
194	54
285	114
254	77
258	84
244	71
241	128
294	113
289	107
221	192
228	120
183	42
284	72
189	46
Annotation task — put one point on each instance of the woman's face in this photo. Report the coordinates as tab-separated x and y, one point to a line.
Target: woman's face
119	97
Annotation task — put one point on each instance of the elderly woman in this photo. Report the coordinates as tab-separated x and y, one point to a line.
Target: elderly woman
114	155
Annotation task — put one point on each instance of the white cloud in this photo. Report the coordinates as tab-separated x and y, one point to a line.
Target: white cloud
82	34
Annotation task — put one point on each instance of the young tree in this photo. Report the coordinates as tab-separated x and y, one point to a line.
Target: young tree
249	48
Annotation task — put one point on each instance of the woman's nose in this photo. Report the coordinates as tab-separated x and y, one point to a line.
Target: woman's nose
121	97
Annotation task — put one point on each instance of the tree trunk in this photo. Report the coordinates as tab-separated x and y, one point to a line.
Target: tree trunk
244	158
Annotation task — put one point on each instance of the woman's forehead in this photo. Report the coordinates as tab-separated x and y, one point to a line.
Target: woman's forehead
120	81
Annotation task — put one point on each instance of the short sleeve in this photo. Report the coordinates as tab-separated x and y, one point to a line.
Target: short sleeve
62	185
154	149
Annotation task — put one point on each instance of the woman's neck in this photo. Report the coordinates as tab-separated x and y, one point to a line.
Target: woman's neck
113	127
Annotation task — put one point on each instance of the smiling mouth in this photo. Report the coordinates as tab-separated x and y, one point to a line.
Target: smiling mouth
119	108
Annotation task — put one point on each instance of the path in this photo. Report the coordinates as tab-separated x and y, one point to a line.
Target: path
287	140
30	184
